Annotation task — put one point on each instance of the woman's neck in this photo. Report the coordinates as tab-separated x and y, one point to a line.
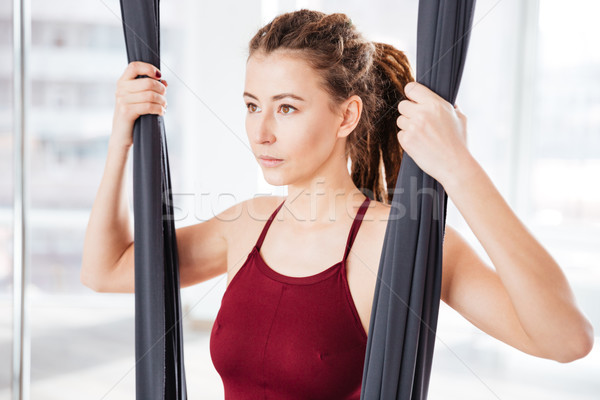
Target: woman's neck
318	204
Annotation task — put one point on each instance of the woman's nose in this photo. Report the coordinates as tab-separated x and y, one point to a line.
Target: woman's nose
263	132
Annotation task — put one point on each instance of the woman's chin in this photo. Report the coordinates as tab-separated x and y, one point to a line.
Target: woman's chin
275	176
273	180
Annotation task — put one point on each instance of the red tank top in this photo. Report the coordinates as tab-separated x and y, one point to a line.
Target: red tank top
284	337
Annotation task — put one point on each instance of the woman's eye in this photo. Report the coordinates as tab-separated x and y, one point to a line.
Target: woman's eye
286	106
250	105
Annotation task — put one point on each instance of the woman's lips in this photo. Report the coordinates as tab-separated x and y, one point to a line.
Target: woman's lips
270	162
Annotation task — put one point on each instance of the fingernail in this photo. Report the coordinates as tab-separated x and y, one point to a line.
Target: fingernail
158	74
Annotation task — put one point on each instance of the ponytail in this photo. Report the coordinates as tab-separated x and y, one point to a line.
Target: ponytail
377	162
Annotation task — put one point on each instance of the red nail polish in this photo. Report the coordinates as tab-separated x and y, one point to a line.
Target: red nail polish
158	74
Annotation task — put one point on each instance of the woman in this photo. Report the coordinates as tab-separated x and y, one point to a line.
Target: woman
302	270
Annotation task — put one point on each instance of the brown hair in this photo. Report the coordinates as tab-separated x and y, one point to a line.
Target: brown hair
349	64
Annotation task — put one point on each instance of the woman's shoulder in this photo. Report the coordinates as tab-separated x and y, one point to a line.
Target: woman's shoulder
259	208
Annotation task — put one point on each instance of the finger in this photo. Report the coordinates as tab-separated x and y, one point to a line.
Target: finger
407	107
146	97
136	68
147	108
143	84
402	135
402	122
419	93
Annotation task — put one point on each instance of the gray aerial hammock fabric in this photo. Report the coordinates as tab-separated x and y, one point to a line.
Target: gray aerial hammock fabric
406	302
160	372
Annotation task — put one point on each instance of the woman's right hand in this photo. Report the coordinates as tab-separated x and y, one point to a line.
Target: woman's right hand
135	97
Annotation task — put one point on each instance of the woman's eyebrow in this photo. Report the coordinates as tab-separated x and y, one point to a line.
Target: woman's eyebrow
277	96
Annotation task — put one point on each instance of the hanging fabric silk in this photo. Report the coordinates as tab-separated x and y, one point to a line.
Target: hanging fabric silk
160	372
406	302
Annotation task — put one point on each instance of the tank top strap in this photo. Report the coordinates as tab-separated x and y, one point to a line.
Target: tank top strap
355	226
266	227
351	236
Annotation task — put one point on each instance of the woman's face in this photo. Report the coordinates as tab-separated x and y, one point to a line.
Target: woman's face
288	118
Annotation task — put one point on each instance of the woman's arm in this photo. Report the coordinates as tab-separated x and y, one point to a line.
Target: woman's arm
527	302
108	251
109	236
534	282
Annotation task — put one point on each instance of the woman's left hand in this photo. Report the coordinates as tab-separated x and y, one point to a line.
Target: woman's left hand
432	132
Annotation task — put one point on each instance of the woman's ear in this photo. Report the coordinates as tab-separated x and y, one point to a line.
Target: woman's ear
351	111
